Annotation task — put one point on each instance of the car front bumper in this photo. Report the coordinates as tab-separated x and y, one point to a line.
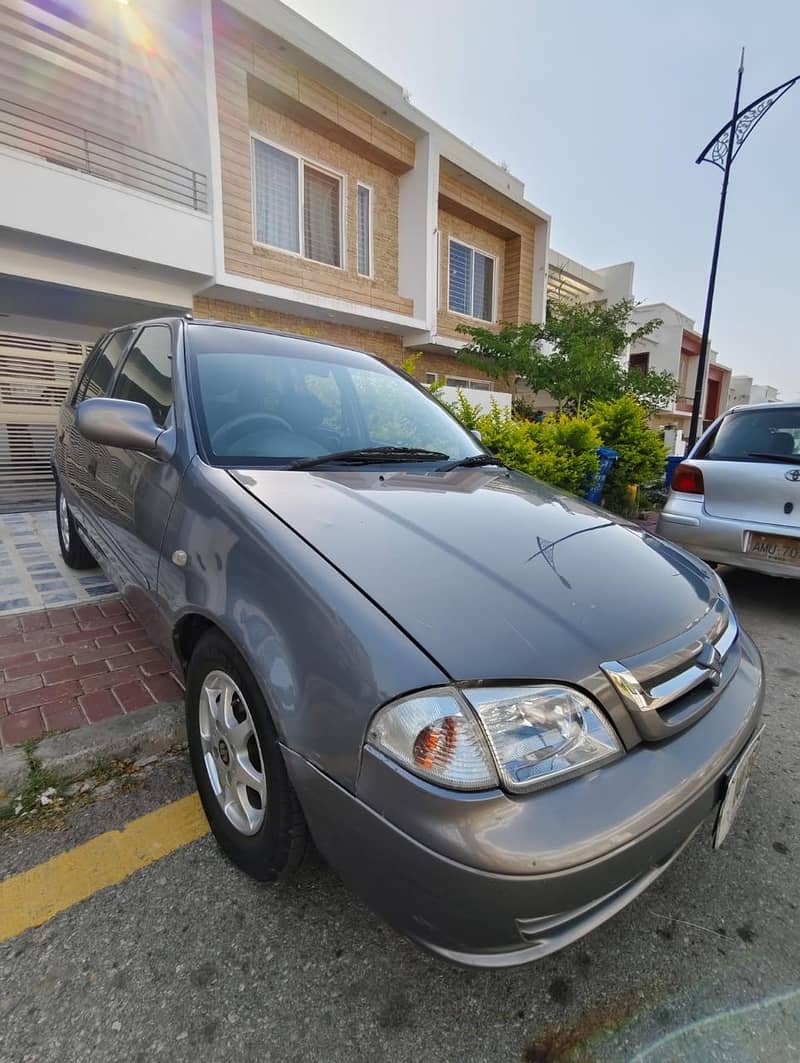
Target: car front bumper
438	866
719	539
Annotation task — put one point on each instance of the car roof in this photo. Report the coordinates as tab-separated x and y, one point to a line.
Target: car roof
763	406
188	319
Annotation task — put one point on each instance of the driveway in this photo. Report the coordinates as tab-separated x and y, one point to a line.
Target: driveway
32	572
188	958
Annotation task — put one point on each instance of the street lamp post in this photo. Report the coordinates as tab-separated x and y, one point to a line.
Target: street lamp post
720	151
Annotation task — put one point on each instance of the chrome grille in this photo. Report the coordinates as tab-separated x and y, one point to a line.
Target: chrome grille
654	689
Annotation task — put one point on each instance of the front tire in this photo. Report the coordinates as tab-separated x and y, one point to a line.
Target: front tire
73	548
247	797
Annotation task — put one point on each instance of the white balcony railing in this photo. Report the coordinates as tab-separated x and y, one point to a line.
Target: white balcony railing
85	151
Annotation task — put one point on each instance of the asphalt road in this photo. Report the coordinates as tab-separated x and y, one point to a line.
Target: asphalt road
189	959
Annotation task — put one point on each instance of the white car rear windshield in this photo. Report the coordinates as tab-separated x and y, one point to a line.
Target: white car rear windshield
757	435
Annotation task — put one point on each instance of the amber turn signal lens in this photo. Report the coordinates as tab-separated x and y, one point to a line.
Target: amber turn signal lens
436	743
688	479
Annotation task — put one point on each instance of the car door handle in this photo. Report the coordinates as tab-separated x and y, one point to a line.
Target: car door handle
91	467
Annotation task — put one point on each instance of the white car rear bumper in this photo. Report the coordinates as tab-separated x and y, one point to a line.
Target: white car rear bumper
719	539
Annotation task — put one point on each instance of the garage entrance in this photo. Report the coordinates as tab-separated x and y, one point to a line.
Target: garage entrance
36	373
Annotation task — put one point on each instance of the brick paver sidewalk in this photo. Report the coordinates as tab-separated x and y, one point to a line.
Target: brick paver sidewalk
65	668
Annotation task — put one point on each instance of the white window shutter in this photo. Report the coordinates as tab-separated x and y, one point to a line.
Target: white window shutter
459	288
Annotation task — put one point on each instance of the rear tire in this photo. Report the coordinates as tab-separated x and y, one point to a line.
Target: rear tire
247	797
73	548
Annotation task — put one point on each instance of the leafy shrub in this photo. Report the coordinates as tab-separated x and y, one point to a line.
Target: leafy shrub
560	452
622	424
463	409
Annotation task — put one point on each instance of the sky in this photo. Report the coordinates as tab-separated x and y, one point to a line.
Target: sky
601	109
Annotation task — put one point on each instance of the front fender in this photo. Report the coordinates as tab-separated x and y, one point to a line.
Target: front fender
325	656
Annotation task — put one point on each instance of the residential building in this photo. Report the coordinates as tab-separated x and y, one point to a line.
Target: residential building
233	160
571	280
743	392
104	216
675	347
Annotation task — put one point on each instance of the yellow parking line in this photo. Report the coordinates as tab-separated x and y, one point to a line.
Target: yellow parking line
34	896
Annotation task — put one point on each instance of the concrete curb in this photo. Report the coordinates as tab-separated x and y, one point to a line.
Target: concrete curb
14	771
67	756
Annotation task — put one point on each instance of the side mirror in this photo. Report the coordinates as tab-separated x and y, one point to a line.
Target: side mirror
128	425
477	434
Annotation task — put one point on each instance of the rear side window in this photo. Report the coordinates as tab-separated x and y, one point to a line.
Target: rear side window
757	435
101	369
146	375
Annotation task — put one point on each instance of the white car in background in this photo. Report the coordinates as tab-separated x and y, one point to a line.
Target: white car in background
736	498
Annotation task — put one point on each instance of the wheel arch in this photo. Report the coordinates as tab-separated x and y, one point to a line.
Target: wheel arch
187	632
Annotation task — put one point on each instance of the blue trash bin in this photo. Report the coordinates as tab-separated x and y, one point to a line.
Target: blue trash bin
672	464
607	457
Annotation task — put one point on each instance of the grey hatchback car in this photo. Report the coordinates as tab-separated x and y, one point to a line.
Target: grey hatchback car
499	712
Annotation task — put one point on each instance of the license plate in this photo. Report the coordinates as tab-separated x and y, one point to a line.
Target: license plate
783	548
737	782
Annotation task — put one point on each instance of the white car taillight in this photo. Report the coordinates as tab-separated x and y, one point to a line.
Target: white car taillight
688	479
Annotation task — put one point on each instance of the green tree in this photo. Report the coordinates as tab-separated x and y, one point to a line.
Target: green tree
513	351
574	355
652	389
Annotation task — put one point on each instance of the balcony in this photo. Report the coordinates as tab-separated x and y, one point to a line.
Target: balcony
85	151
72	184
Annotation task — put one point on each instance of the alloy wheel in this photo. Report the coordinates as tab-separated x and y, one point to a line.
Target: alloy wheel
232	753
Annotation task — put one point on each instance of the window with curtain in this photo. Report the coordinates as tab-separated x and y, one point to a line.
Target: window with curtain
286	189
277	197
321	222
364	218
470	282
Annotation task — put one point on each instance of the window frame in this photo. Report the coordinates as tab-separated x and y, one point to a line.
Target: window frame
302	161
470	381
643	369
124	361
486	254
371	233
88	364
92	358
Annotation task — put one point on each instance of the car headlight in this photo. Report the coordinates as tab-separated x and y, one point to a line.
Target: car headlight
468	739
542	734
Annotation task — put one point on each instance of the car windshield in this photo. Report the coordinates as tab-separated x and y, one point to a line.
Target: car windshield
771	434
265	400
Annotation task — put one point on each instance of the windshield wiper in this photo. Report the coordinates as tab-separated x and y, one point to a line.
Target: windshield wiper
369	456
787	459
472	462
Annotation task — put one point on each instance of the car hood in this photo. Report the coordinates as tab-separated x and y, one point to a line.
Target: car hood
495	575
